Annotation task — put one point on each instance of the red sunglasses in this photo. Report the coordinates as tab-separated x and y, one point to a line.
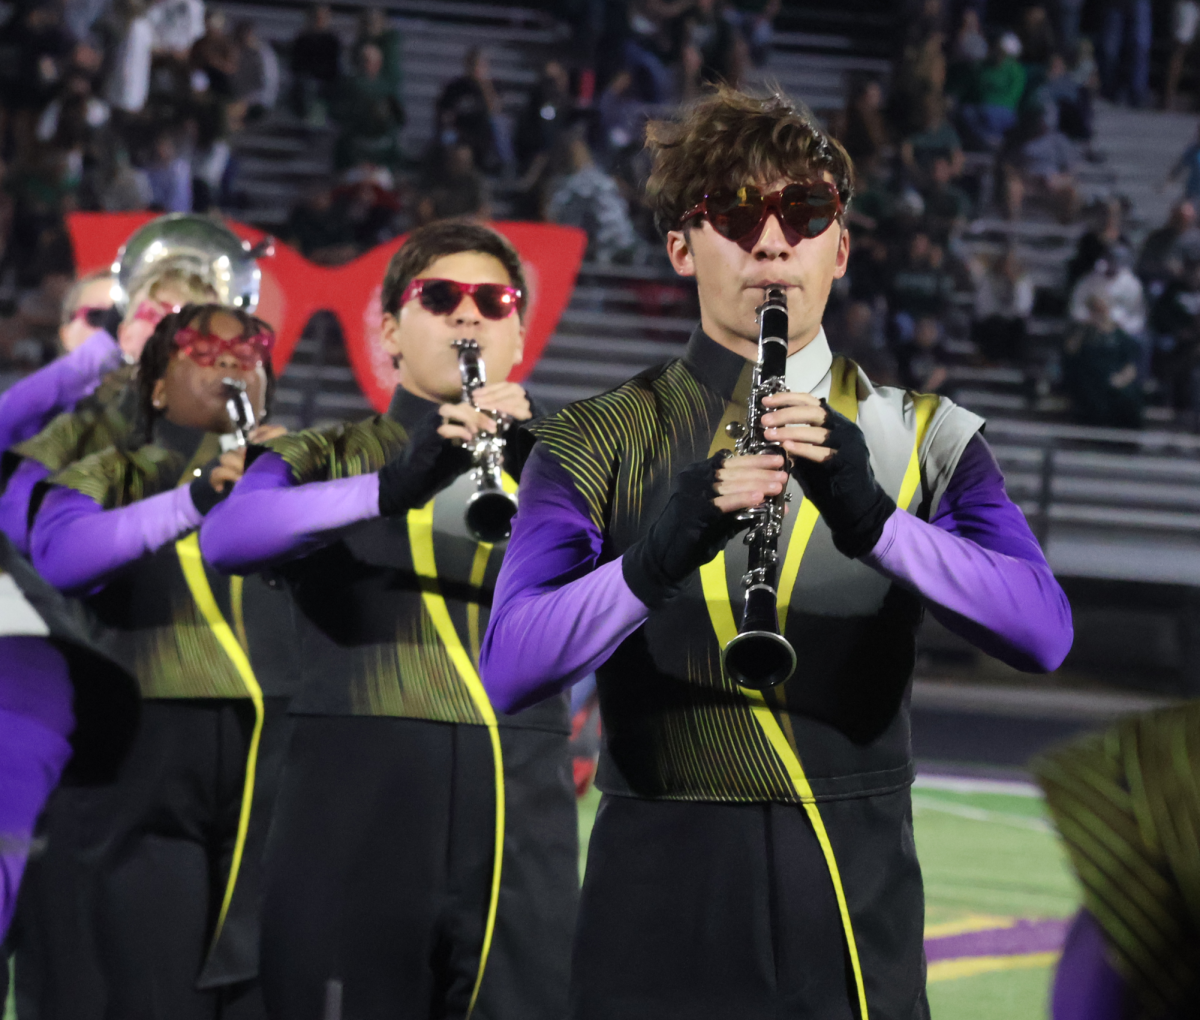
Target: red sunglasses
441	297
806	210
205	348
93	315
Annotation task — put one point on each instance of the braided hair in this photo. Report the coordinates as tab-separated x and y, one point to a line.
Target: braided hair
160	349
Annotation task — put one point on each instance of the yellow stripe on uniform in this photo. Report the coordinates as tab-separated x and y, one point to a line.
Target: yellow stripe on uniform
843	398
197	581
420	539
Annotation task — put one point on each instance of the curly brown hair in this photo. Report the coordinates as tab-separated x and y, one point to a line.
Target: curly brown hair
731	138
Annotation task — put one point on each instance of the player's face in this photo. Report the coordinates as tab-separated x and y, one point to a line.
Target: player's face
193	395
144	313
731	277
423	340
97	294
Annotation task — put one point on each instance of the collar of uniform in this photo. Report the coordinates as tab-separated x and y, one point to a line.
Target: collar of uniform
408	409
181	439
719	368
809	365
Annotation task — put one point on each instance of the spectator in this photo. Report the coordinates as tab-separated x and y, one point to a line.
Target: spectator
712	49
211	159
369	115
1100	371
546	115
970	45
920	285
1125	68
1071	100
1161	257
256	81
621	117
1106	231
652	45
1043	166
936	140
1175	320
129	79
997	93
864	131
1003	304
319	230
1188	167
373	29
922	74
316	66
460	191
465	112
754	20
1185	20
216	55
1069	13
854	332
946	206
1124	297
589	199
170	175
923	360
177	25
1037	38
41	48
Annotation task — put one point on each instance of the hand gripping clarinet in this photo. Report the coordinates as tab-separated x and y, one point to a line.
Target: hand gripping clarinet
489	510
761	657
239	409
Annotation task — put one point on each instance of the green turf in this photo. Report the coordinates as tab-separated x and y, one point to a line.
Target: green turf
981	853
1005	995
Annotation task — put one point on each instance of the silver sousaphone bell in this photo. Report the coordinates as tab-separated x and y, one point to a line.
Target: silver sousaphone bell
193	243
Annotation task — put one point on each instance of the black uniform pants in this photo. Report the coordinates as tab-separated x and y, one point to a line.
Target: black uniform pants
159	843
694	911
379	873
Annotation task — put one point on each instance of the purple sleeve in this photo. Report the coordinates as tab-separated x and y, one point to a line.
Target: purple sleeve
76	544
268	517
14	503
27	406
556	616
35	722
980	568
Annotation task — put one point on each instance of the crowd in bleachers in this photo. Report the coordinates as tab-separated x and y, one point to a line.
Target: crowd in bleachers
994	118
988	113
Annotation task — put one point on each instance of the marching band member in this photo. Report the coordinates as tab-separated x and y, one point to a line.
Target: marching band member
423	860
753	854
177	836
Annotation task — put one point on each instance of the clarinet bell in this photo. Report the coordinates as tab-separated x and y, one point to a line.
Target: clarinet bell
759	659
489	513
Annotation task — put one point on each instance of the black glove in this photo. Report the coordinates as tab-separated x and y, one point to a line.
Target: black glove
688	533
203	494
422	469
844	489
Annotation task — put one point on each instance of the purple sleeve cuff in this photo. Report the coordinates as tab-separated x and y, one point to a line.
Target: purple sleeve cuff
27	406
14	503
77	544
980	569
268	518
555	615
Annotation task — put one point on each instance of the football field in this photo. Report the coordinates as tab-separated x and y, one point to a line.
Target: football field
998	896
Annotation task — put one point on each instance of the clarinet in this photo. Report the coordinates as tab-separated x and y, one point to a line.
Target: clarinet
239	409
489	511
760	657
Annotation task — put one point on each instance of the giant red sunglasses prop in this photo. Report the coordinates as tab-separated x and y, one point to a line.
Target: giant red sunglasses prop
294	288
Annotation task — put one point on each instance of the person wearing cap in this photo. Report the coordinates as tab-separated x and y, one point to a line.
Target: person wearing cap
999	86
